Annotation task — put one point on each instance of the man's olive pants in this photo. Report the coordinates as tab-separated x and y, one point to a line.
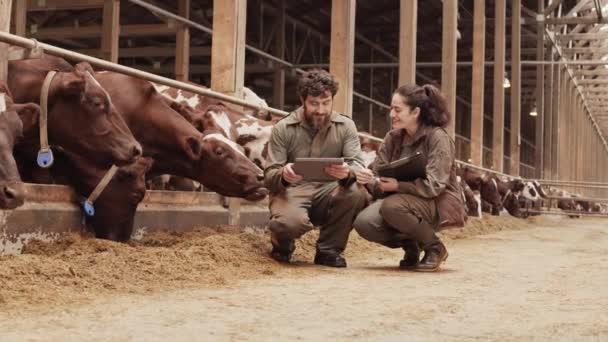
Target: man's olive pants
328	205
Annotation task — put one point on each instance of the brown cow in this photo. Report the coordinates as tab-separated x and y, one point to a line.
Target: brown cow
115	207
81	116
487	187
14	119
176	146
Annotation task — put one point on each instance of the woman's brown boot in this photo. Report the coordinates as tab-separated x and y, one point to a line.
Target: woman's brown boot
434	255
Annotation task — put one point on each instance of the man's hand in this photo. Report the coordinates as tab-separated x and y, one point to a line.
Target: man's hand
337	171
364	176
289	175
388	184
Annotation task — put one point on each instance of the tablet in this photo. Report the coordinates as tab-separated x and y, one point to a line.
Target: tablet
312	168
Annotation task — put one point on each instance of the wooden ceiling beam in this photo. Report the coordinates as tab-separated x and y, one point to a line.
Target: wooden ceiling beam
61	5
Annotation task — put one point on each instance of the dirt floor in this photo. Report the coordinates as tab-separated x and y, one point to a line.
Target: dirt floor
505	279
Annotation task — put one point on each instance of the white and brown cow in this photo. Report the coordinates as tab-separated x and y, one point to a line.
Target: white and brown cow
246	130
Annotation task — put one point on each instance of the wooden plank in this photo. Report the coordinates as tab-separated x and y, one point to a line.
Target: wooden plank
20	17
182	44
149	51
499	91
408	20
515	86
448	59
5	26
478	82
278	96
593	81
111	30
342	51
60	5
93	31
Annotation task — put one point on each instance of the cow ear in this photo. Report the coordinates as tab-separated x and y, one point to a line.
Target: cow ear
73	83
29	114
83	67
192	146
181	109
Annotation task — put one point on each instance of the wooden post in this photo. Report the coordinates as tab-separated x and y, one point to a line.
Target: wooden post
548	142
448	59
182	44
499	91
279	73
20	17
342	52
5	26
515	86
555	120
477	84
228	61
408	19
111	30
540	93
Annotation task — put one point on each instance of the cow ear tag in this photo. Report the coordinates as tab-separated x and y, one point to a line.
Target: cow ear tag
88	207
45	158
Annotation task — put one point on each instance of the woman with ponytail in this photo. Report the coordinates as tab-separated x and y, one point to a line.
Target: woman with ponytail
408	214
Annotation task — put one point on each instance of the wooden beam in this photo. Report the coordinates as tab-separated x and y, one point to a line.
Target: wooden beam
594	72
515	86
278	96
5	26
342	51
182	44
582	36
499	91
540	97
478	82
593	81
228	60
576	20
551	7
408	20
93	31
111	30
20	17
585	50
448	59
60	5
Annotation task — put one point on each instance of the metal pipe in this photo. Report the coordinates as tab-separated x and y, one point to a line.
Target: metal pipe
29	43
460	64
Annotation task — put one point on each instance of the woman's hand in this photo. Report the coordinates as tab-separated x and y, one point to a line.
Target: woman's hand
364	176
387	184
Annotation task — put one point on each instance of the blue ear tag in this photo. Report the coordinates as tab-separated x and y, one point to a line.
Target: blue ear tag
45	158
88	207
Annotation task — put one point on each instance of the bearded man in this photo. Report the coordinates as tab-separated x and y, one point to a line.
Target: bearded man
297	205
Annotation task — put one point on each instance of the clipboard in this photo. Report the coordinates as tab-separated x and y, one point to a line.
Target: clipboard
312	168
405	169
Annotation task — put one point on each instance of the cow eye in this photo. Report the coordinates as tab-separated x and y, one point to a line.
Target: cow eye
219	151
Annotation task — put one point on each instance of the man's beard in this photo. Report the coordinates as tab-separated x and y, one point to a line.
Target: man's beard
316	121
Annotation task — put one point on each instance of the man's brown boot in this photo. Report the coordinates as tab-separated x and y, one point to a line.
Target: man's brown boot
434	255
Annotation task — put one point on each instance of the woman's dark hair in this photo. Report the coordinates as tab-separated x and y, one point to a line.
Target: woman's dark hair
316	82
430	100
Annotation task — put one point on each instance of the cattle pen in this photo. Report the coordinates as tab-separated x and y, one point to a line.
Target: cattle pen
524	80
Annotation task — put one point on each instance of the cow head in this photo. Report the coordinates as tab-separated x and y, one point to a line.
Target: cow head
116	206
228	171
81	117
490	193
91	113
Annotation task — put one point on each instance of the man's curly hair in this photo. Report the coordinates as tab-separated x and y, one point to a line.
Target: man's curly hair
315	82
